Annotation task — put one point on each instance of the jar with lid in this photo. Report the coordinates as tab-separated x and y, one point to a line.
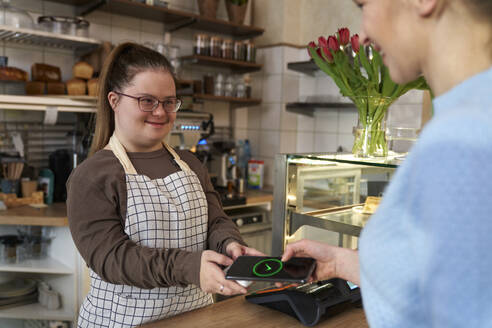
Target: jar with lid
208	84
202	45
215	46
229	87
247	85
240	87
239	51
219	85
250	51
228	49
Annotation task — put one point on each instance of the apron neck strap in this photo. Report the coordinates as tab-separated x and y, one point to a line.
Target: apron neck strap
120	153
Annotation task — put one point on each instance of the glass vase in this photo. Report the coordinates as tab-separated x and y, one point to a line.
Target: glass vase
370	135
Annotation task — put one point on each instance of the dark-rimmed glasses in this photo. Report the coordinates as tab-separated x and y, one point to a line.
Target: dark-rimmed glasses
149	103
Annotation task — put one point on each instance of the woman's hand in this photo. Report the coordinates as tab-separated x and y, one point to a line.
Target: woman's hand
331	261
235	249
212	278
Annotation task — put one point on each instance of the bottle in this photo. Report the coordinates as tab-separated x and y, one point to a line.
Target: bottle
241	159
247	157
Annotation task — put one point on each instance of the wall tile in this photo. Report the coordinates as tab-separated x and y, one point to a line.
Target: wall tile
240	118
254	141
29	5
411	97
58	9
269	143
326	121
404	115
240	134
220	112
291	55
288	142
270	116
272	60
99	17
268	172
347	119
305	142
290	88
305	123
151	38
100	31
272	89
120	35
288	120
307	87
325	142
152	27
65	62
257	87
346	141
127	22
254	117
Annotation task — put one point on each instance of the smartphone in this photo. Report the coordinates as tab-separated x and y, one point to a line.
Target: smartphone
264	268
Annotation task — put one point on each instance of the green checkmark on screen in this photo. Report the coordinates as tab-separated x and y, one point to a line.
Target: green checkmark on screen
267	267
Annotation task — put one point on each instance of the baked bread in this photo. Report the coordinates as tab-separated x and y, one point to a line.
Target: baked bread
45	73
55	88
13	74
35	88
92	87
371	205
82	70
76	87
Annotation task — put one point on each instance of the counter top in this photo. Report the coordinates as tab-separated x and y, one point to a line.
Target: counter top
239	313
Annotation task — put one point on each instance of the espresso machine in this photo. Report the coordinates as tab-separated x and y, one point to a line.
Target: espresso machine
189	128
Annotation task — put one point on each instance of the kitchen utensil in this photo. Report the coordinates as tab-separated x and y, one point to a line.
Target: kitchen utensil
64	25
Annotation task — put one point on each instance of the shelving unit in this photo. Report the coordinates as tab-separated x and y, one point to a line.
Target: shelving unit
308	108
79	44
239	66
172	18
48	265
43	103
36	312
305	67
233	100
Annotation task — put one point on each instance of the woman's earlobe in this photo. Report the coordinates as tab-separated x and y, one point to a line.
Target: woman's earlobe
113	100
427	7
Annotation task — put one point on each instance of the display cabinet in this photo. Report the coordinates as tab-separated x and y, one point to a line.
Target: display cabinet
320	196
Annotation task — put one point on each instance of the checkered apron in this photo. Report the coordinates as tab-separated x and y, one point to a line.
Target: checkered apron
168	212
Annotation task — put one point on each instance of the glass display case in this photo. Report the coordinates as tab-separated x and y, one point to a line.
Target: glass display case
320	196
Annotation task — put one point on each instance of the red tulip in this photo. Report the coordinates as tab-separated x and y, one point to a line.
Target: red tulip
355	43
322	42
344	35
311	45
333	44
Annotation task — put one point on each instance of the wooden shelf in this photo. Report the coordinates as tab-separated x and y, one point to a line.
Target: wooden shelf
41	38
220	62
233	100
42	103
53	215
172	18
36	312
47	265
308	108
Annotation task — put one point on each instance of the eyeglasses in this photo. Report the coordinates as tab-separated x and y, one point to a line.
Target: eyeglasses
149	103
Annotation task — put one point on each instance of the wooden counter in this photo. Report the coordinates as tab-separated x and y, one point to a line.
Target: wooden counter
52	215
239	313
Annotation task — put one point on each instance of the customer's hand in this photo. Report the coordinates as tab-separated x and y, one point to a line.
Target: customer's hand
235	249
324	254
212	278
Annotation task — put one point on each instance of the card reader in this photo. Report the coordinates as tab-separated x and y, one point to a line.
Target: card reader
309	302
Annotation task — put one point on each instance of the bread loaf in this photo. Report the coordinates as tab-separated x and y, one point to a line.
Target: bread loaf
371	204
45	73
92	87
76	87
13	74
82	70
55	88
35	88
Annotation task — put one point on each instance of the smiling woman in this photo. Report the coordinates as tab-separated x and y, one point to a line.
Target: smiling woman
142	214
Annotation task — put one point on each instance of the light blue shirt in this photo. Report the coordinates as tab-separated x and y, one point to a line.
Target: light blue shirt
426	255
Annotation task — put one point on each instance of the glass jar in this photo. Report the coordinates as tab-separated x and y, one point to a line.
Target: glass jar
240	88
14	17
239	51
219	85
215	46
250	51
228	49
202	45
229	87
208	84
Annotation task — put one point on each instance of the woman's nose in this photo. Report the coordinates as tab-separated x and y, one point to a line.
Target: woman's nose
159	111
364	38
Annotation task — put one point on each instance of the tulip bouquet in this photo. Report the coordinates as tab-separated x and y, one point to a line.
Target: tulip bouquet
360	74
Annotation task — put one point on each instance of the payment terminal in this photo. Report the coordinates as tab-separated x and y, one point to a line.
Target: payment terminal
311	302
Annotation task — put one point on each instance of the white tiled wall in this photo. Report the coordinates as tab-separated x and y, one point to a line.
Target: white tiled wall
279	131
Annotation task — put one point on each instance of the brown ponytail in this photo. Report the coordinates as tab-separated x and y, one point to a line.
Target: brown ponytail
124	62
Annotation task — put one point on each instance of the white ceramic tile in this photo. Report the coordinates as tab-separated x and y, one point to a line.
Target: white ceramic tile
100	31
257	87
307	87
272	89
273	60
152	27
65	62
411	97
325	86
260	57
326	121
291	55
99	17
240	118
254	117
325	142
290	88
346	141
268	172
305	142
254	142
288	120
347	119
23	58
304	55
220	111
270	116
288	142
404	115
269	143
35	6
240	134
305	123
151	38
58	9
127	22
120	35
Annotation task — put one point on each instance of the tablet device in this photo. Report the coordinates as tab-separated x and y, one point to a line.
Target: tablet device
264	268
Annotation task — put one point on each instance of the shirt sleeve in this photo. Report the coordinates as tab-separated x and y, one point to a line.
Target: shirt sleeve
453	213
221	229
94	204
